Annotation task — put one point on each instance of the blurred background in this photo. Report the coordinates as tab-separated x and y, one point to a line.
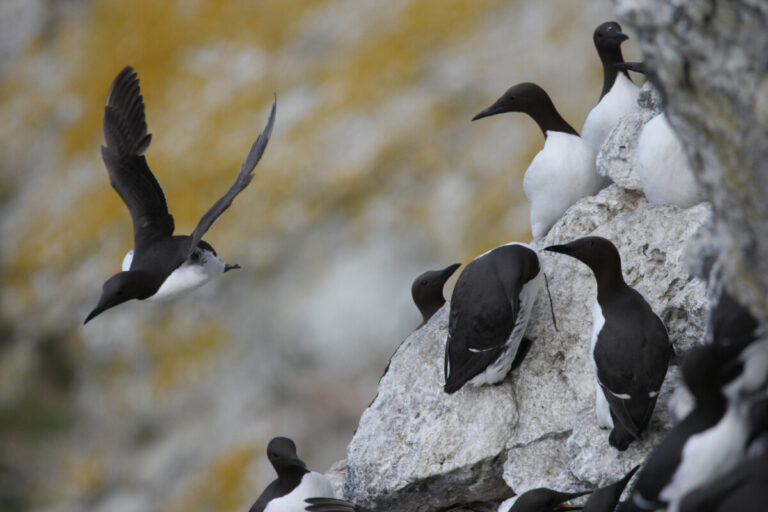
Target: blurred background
373	175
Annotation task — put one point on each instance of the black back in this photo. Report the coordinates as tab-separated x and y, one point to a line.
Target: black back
427	290
530	99
608	38
281	452
484	308
605	498
543	500
632	350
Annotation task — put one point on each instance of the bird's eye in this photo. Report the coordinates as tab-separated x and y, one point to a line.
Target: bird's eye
599	36
423	282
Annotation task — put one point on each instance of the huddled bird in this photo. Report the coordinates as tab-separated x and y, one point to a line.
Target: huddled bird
490	308
161	265
294	482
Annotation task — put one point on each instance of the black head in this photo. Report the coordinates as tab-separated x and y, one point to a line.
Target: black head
596	252
122	287
545	500
281	452
526	97
608	36
427	290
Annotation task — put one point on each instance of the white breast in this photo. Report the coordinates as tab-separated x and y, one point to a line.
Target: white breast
708	455
620	101
313	485
190	276
663	167
602	408
499	369
558	176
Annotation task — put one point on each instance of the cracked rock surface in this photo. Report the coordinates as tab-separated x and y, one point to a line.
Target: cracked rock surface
417	448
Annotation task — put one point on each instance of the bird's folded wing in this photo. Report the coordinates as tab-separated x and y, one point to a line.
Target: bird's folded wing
125	133
242	181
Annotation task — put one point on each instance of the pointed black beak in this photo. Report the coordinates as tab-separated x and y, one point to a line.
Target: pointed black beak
93	314
563	249
449	270
490	111
620	37
228	267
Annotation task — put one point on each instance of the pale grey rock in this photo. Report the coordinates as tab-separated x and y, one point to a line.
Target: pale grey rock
709	60
617	158
335	475
417	448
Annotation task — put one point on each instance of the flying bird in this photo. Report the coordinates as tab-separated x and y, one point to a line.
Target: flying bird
161	265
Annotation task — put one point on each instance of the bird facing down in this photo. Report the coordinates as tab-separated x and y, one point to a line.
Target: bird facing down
541	500
490	308
294	482
427	290
161	265
618	96
563	171
630	348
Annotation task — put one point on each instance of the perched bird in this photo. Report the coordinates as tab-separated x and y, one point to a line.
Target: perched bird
541	500
294	483
161	265
630	348
605	498
619	95
427	290
490	308
704	375
663	168
563	171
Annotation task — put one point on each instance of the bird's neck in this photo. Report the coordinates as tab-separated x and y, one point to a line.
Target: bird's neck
609	58
610	281
291	477
549	119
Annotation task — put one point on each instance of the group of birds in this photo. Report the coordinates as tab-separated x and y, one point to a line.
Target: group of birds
492	303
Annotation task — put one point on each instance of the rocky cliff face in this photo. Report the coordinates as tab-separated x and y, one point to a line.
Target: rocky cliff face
417	448
708	56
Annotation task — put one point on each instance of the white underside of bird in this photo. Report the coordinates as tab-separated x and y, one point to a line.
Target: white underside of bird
663	167
708	455
200	268
313	485
602	408
559	175
602	119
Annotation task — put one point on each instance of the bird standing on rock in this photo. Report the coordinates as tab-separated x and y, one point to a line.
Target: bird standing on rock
294	482
161	265
630	348
490	308
619	95
563	171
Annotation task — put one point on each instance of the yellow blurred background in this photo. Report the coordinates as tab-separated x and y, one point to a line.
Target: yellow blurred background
374	174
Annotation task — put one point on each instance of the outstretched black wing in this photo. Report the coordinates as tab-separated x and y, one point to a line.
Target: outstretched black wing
242	181
125	133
